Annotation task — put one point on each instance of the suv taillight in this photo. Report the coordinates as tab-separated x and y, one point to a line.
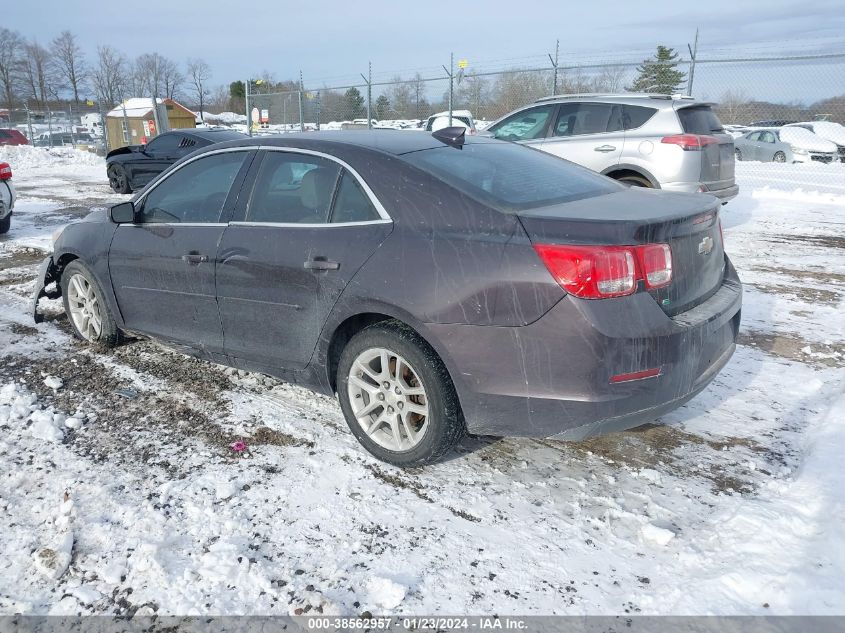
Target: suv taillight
599	272
690	142
5	171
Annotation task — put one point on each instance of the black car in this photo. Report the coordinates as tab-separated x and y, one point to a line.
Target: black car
130	168
438	284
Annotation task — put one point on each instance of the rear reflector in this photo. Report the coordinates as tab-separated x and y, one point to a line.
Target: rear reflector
5	171
599	272
690	142
637	375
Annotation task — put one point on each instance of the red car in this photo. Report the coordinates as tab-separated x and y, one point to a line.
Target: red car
9	136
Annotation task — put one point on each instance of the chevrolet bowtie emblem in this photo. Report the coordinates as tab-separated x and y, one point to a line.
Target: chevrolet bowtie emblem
705	246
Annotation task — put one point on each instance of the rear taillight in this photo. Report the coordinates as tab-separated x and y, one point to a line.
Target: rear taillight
599	272
5	171
690	142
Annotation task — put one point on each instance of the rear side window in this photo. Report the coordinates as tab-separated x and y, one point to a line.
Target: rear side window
524	126
5	134
293	189
575	119
636	116
195	192
699	120
511	177
352	203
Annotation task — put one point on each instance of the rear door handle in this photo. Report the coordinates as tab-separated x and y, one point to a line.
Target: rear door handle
605	148
321	263
195	258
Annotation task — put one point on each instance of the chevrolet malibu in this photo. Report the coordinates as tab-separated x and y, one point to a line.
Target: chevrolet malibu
438	284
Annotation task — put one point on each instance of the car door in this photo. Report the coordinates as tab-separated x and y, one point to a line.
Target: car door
306	228
767	146
528	126
157	155
162	266
590	134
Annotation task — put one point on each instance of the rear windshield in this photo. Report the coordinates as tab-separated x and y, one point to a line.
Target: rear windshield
5	134
511	177
700	120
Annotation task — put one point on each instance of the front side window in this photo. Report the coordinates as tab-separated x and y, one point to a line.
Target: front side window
293	189
754	136
524	126
575	119
195	192
352	204
767	137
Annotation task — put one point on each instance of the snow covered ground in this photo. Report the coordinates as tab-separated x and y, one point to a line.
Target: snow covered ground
119	492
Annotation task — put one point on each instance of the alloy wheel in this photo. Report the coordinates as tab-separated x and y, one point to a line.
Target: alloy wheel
388	399
84	308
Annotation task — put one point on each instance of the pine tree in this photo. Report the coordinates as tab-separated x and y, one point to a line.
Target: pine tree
354	103
659	74
382	107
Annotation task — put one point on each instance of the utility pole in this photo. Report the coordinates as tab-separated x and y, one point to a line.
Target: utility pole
450	72
248	111
159	129
554	66
29	122
301	105
693	52
369	81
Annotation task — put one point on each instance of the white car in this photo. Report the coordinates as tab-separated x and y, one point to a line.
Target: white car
807	146
784	145
828	130
459	117
7	197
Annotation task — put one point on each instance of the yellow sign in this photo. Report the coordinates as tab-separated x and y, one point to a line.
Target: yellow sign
89	102
463	63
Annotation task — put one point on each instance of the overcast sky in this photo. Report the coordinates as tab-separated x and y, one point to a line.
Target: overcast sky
332	41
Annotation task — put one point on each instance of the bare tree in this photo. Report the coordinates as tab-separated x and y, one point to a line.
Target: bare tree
218	99
11	47
69	61
199	72
610	79
110	75
734	107
35	65
171	78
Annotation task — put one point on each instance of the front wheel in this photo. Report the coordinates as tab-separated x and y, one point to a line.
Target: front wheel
738	153
118	180
5	224
86	308
779	157
397	396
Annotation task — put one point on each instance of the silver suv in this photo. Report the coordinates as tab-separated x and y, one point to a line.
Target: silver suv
647	140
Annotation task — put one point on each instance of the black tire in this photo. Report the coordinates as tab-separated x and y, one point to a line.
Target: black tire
738	153
779	157
635	181
118	180
445	420
5	224
110	336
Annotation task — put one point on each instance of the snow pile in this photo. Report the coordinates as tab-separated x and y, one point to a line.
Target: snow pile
28	157
224	117
17	405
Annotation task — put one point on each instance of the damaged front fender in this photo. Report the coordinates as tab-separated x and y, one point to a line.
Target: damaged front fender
48	274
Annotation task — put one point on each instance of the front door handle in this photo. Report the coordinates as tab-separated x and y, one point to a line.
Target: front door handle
605	148
194	258
321	263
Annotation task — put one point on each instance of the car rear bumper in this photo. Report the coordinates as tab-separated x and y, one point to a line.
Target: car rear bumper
552	378
722	192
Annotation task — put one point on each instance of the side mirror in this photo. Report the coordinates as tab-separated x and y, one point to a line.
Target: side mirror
123	213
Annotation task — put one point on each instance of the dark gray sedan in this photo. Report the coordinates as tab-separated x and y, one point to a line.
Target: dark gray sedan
438	284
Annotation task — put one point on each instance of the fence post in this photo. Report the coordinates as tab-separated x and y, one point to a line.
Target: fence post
103	125
49	123
450	73
369	81
29	123
693	52
554	66
319	106
70	122
247	108
301	104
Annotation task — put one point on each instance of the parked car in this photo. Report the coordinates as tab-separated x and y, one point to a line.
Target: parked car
828	130
785	145
437	283
10	136
643	140
459	117
130	168
771	123
7	197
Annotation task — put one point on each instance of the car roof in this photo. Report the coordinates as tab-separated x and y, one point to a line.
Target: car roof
386	141
618	96
216	135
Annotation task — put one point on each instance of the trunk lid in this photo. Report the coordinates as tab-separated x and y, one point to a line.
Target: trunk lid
688	223
717	159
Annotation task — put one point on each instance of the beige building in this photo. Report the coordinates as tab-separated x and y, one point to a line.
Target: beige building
138	126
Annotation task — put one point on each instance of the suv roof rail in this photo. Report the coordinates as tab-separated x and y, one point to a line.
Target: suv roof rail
620	95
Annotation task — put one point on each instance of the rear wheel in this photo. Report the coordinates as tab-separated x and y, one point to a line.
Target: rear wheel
86	308
118	180
397	396
738	153
779	157
5	224
634	181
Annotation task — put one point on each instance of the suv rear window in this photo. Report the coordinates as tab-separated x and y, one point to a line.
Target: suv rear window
511	177
699	120
5	134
